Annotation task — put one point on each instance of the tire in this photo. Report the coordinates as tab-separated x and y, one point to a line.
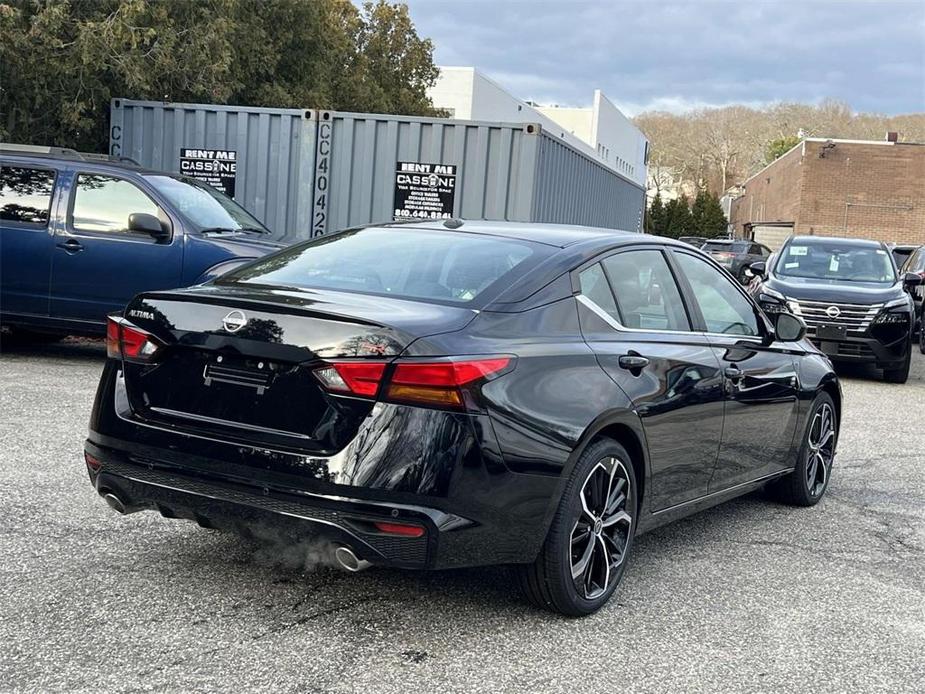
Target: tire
20	336
900	375
603	539
922	334
814	463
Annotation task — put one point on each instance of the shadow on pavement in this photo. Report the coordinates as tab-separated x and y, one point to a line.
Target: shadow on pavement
70	348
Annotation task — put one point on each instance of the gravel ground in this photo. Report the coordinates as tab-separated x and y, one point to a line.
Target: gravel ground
750	596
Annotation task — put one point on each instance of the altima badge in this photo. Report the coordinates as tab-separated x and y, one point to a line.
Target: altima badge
234	321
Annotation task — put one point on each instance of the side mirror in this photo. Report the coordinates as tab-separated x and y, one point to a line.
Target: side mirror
911	280
759	268
148	224
789	328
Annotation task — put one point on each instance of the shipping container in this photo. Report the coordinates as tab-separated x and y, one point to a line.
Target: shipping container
308	172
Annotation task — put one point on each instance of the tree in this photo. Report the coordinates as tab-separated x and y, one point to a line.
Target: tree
655	219
678	218
62	61
779	146
714	148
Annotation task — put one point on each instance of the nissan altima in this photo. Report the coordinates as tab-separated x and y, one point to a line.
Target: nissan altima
444	394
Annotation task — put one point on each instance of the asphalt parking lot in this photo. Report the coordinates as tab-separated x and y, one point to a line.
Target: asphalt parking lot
750	596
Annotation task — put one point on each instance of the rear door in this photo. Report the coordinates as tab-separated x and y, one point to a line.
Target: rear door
633	317
99	265
760	379
26	237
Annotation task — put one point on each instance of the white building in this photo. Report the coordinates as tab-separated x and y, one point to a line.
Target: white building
601	130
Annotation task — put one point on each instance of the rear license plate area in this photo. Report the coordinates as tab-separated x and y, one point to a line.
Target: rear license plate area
827	331
257	377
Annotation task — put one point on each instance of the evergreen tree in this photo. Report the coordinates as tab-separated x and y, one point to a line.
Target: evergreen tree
713	221
655	219
678	218
698	210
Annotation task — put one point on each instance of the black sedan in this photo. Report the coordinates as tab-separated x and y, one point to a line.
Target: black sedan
434	395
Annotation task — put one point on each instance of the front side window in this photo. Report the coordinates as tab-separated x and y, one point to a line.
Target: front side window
834	260
725	310
104	203
25	194
451	267
647	296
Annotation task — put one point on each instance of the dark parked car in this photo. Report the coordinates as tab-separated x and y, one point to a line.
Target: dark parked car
695	241
915	264
901	252
736	256
857	308
433	395
82	234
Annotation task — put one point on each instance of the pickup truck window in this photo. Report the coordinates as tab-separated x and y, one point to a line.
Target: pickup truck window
25	194
104	203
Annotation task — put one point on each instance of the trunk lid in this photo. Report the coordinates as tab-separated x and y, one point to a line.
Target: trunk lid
237	363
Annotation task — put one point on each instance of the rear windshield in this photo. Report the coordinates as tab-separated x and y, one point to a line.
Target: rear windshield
449	267
720	246
831	260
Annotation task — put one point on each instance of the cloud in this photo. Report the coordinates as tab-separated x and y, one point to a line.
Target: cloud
683	55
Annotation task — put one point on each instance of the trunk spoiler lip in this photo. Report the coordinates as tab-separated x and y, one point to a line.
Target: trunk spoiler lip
269	306
330	310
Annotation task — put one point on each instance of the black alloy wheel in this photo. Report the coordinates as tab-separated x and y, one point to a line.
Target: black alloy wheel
807	483
589	542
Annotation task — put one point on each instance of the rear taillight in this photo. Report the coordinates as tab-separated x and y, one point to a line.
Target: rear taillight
439	383
436	383
125	341
352	377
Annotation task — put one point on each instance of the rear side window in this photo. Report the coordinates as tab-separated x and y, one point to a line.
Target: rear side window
647	295
594	285
25	194
443	266
104	203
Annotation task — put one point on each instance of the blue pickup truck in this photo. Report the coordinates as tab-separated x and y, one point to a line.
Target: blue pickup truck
80	235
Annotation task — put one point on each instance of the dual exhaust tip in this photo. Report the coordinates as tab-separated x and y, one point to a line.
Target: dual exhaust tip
344	557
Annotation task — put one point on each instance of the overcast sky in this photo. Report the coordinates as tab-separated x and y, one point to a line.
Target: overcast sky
671	55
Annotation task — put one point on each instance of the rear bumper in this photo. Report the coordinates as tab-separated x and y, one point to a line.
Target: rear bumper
219	504
448	478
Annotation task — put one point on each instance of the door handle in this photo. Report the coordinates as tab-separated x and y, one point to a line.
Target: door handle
71	246
733	374
633	362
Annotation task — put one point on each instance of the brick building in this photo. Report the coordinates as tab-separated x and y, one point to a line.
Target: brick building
858	188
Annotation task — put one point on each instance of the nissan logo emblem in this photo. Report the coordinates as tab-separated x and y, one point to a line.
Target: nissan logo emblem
833	312
234	321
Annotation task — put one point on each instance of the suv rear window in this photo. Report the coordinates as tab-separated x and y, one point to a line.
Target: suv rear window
25	194
713	246
449	267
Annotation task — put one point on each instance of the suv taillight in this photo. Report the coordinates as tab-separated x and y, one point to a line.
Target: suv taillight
125	341
434	383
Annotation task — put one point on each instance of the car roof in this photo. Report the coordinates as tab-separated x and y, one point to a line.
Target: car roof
57	157
860	243
558	235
